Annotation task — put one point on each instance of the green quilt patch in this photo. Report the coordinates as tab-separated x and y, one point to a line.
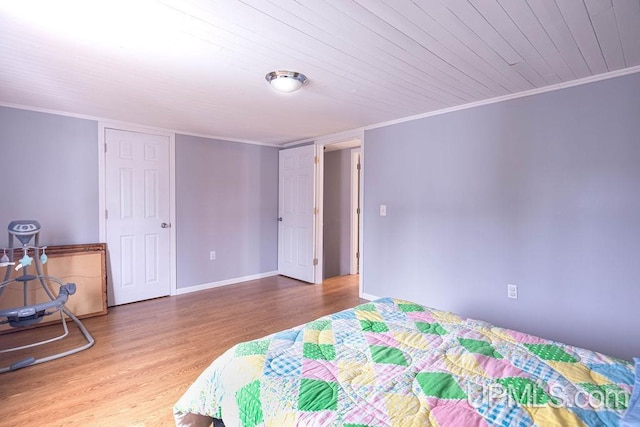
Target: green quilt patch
525	392
440	384
371	326
431	328
406	308
252	347
319	325
479	347
609	395
388	355
319	351
317	395
366	307
551	352
249	404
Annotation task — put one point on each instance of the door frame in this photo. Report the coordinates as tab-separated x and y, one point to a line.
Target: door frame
102	186
354	215
321	142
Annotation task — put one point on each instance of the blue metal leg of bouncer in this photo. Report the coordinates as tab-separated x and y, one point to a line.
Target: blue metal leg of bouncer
29	314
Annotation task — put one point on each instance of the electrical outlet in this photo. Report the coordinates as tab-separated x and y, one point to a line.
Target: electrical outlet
383	210
512	291
212	255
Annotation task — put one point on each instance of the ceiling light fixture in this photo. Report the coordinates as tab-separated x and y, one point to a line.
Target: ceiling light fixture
286	81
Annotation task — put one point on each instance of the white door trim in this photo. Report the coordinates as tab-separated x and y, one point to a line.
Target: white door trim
333	139
102	193
319	246
355	223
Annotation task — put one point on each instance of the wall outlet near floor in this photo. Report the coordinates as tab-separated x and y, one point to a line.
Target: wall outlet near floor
212	255
512	291
383	210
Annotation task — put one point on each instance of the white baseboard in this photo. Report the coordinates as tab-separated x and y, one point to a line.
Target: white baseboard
233	281
369	296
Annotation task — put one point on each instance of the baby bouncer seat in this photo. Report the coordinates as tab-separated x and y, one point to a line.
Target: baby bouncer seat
29	314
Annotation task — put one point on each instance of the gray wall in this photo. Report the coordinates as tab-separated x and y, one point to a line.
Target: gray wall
227	201
227	193
337	206
542	192
49	172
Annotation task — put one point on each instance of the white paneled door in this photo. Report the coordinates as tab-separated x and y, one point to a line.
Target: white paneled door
296	226
138	215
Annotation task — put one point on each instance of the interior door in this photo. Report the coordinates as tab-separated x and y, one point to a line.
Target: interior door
138	215
296	229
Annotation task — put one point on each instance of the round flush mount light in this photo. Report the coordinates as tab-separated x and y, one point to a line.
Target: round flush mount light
286	81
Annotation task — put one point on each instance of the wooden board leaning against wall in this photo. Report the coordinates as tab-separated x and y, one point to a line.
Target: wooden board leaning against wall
84	265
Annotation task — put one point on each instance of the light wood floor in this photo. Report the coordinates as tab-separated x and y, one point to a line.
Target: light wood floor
148	353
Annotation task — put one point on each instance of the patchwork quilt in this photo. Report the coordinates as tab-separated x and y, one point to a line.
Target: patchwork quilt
395	363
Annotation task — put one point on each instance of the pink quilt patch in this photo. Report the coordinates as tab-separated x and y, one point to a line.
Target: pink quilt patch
455	413
319	370
497	368
421	316
374	338
525	338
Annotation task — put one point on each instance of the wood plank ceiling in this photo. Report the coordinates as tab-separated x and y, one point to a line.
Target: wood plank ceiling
198	66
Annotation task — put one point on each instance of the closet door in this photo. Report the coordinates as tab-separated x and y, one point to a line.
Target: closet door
138	215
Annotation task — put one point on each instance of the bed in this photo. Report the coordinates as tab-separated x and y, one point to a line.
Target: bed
396	363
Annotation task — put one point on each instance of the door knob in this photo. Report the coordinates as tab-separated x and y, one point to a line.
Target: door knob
280	218
165	225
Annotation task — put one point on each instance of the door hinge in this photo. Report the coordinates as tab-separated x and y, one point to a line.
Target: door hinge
106	214
358	166
315	261
358	211
316	211
358	255
316	159
105	147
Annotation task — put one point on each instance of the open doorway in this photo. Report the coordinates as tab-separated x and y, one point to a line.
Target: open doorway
341	209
